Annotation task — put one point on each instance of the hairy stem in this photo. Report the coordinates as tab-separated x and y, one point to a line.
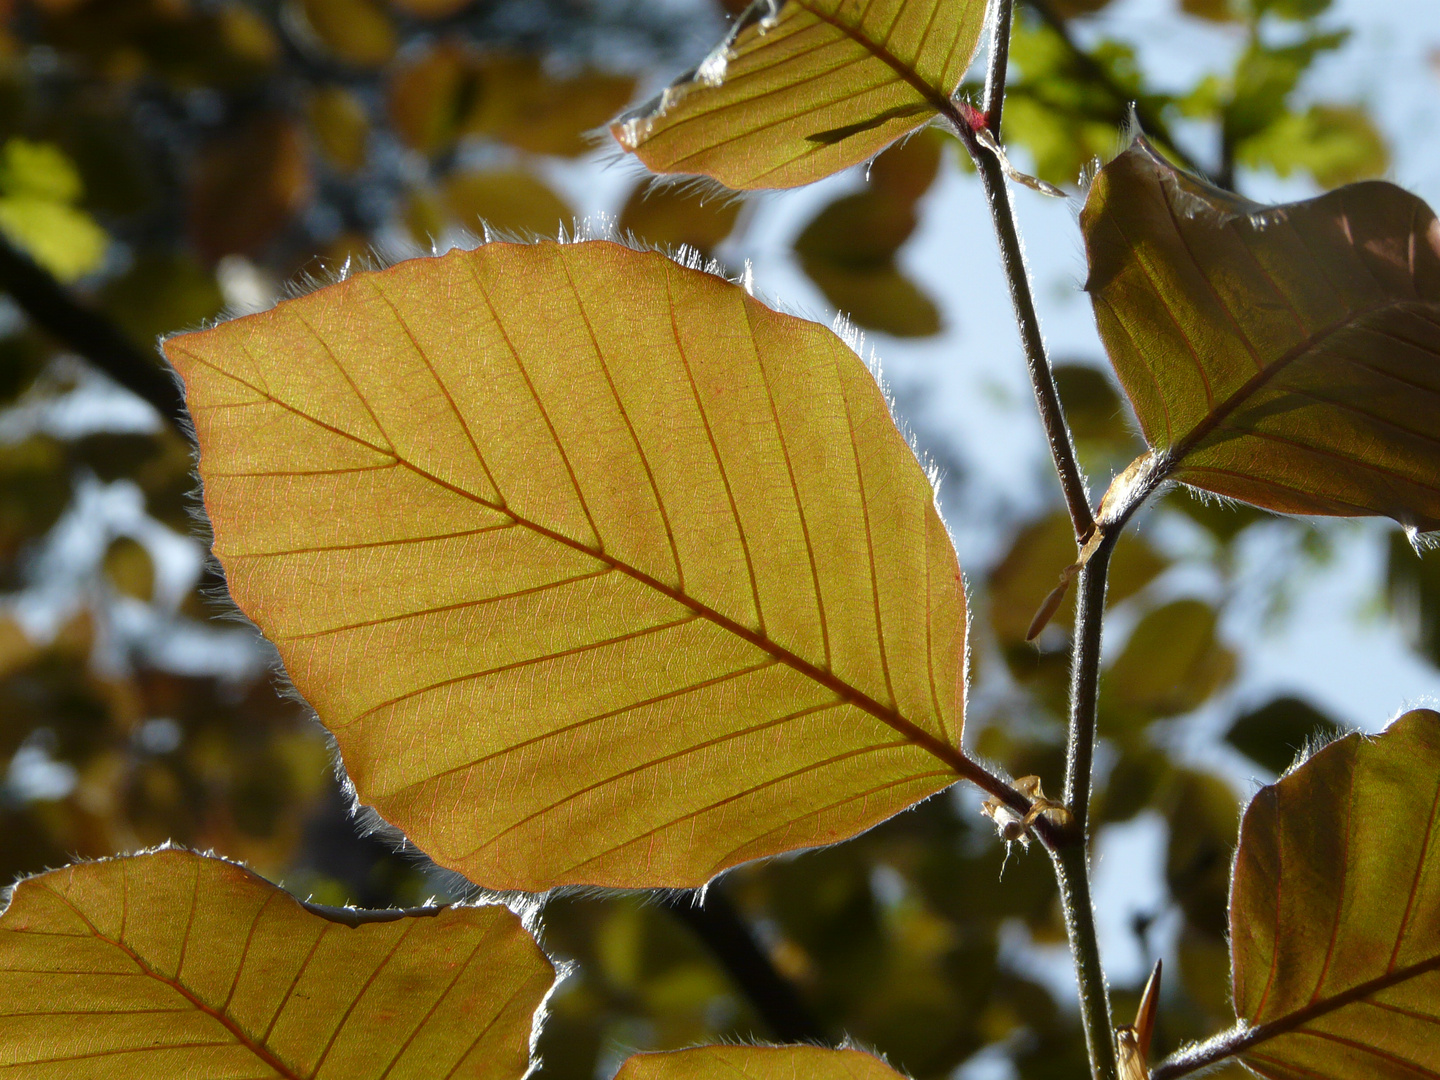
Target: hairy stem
999	64
1042	379
1072	871
1085	682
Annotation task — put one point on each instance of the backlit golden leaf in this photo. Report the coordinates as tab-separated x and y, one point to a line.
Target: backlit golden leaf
1286	356
801	89
757	1063
177	964
1335	912
599	570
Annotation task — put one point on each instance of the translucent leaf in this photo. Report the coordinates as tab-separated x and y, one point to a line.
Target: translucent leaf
177	964
612	575
1284	356
757	1063
804	88
1335	912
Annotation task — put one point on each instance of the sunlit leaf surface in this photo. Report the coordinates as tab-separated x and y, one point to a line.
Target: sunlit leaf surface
1287	356
177	964
803	88
599	570
757	1063
1335	912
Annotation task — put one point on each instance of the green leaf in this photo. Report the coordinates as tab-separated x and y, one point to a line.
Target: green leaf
1335	912
801	89
1172	663
38	185
1285	356
1336	144
1275	733
757	1063
649	564
177	964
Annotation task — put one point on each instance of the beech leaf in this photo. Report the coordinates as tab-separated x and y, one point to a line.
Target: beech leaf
177	964
600	571
1335	912
801	89
757	1063
1286	356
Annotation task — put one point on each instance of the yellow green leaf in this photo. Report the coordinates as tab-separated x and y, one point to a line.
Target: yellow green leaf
1336	144
40	170
757	1063
1335	912
61	238
1285	356
611	574
801	89
177	964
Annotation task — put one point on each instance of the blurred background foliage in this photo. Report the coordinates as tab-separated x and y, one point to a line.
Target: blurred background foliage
166	160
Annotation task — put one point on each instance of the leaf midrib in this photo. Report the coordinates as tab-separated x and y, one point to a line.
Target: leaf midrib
1293	1021
956	760
938	99
1174	456
259	1049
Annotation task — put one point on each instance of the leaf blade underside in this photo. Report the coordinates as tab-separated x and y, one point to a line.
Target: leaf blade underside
757	1063
600	571
1335	912
801	89
1285	356
172	963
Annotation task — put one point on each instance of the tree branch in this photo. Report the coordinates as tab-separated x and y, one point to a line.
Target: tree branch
1072	871
50	306
997	70
1085	681
1098	73
773	996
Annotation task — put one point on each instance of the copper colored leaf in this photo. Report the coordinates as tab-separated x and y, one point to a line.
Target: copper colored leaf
757	1063
1286	356
177	964
247	186
1335	912
657	584
801	89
